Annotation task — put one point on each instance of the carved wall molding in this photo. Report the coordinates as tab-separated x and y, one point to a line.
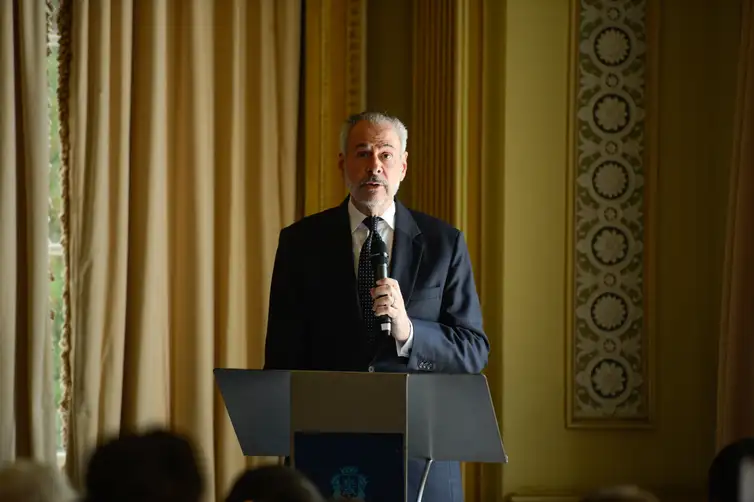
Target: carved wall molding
335	53
433	143
356	51
544	498
664	496
611	178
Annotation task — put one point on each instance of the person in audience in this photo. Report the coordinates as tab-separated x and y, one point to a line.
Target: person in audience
624	493
273	484
29	481
157	466
724	479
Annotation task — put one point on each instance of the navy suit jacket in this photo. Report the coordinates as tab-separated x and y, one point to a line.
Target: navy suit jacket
315	321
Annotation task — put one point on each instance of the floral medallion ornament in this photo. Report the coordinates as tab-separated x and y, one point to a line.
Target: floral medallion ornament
608	381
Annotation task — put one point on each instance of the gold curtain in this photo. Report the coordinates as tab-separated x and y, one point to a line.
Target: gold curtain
27	410
736	373
179	151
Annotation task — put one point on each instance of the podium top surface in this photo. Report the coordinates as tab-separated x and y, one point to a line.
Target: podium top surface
444	417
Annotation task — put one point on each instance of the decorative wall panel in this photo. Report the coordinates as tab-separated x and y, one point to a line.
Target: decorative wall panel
608	367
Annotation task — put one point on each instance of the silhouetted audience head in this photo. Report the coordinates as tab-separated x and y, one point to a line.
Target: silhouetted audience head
724	476
29	481
273	484
153	467
625	493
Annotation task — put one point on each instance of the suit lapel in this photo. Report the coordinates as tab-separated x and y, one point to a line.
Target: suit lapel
408	246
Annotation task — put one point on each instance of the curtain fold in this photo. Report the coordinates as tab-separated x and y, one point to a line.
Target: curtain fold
27	410
180	163
735	417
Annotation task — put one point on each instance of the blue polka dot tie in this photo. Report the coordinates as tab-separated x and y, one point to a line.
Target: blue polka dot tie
366	279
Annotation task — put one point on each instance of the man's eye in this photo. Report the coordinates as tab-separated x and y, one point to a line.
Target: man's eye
387	155
363	154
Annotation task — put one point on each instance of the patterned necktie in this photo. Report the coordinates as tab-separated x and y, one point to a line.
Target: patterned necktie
366	278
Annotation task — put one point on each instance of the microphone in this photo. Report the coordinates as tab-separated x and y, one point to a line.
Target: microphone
378	258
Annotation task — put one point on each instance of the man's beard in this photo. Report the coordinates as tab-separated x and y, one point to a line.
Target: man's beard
373	203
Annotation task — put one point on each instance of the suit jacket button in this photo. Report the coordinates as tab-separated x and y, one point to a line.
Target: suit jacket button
371	369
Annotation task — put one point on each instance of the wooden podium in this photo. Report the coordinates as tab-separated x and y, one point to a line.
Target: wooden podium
351	433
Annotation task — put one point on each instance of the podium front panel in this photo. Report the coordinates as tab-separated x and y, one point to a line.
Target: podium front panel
348	433
348	402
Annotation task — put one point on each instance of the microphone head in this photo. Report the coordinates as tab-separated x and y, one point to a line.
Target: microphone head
378	255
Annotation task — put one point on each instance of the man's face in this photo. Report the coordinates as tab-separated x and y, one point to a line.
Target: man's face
373	166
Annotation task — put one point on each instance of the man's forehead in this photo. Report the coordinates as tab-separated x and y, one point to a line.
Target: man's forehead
367	134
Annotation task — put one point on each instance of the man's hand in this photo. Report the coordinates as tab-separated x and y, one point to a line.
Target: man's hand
388	301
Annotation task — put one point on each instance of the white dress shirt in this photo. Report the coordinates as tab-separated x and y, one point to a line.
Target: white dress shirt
386	229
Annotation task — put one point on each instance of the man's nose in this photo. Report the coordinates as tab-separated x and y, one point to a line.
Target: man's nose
375	165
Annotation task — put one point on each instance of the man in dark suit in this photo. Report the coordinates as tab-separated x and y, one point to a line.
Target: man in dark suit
324	311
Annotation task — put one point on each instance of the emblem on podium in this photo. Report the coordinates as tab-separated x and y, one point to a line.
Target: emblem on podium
349	484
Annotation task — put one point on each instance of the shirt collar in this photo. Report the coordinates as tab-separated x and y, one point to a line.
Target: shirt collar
356	217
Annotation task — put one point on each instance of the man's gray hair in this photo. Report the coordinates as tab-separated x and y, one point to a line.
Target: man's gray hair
374	118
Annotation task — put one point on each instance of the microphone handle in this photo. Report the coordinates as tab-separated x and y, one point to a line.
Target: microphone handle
380	272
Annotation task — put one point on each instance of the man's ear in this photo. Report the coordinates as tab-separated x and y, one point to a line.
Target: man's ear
341	162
